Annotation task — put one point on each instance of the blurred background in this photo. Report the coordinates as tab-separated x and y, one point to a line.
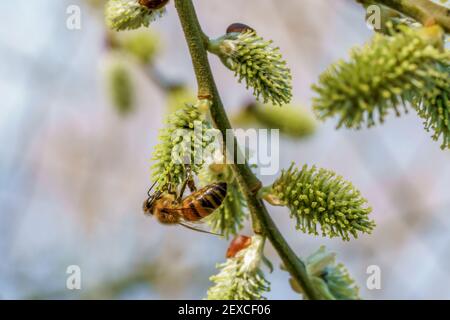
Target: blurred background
74	162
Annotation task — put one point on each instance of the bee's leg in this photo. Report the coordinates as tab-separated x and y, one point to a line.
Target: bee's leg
173	191
170	189
191	184
183	188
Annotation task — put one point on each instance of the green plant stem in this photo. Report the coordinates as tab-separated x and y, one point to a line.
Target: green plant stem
424	11
249	183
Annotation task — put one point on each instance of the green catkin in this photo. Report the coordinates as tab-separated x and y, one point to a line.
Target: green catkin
229	218
320	198
380	77
434	106
292	121
180	142
129	15
120	87
240	277
140	44
258	63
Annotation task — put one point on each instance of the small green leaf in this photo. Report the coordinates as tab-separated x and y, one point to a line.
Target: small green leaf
332	281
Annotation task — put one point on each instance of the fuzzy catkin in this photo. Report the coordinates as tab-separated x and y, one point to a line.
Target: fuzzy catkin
143	45
379	77
318	198
181	144
229	218
120	86
434	105
257	62
240	277
292	121
129	15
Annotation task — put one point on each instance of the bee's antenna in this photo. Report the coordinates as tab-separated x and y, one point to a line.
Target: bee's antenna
153	185
152	197
199	230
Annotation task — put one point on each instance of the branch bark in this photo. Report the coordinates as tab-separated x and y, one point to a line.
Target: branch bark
207	89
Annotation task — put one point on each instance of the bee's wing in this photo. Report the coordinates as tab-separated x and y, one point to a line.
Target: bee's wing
196	227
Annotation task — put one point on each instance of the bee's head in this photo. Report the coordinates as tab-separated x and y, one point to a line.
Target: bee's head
150	202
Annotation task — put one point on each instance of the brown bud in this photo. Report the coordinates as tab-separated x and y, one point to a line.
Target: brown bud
239	27
237	244
153	4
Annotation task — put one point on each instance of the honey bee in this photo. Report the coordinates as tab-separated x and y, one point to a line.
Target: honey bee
170	209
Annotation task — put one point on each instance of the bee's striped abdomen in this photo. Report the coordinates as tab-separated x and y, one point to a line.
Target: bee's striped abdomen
204	201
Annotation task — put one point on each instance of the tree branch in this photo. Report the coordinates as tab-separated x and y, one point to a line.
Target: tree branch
424	11
262	222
